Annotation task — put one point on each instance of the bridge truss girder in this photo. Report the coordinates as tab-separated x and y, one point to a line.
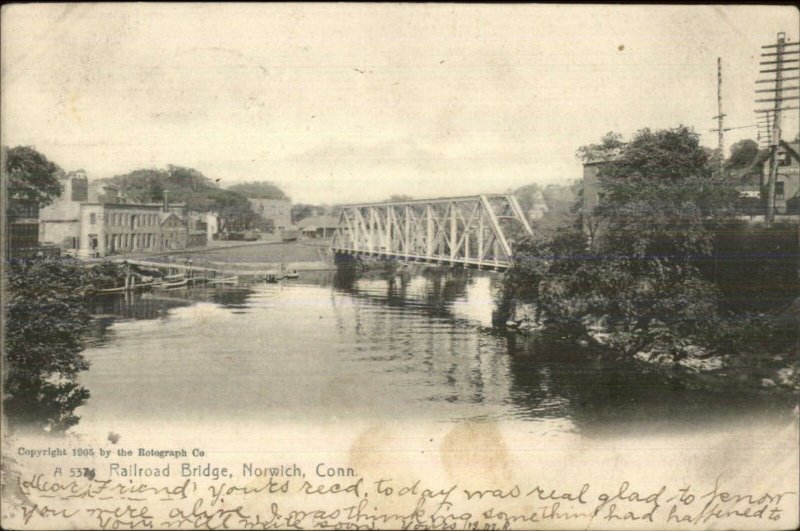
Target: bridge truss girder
471	231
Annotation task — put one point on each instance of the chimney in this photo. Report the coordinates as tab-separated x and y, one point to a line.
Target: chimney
166	201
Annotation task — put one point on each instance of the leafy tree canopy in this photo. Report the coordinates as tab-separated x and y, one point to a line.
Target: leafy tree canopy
609	146
259	190
301	211
31	176
187	185
743	153
661	198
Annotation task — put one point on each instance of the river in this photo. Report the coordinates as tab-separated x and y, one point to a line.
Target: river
342	346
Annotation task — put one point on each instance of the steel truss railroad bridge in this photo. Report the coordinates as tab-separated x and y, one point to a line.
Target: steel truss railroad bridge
473	231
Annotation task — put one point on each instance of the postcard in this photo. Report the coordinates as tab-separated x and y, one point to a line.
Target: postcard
400	266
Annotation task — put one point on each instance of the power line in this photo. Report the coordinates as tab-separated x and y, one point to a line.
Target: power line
772	126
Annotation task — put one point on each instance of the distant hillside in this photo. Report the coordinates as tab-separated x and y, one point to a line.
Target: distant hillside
259	190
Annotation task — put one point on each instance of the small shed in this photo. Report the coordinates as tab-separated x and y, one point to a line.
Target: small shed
319	226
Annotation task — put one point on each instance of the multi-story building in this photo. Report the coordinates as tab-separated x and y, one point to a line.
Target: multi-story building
59	222
174	232
22	227
112	228
96	220
787	181
203	227
278	210
212	226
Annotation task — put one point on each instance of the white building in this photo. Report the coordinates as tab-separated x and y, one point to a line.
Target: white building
278	210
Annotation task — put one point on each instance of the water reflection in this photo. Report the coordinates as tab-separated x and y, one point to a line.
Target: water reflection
553	378
431	289
400	344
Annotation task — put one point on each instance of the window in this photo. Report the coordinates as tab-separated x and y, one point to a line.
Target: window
779	189
92	218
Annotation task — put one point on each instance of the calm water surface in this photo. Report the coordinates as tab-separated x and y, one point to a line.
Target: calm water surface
333	347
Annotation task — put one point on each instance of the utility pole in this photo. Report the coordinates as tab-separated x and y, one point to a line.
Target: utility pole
777	67
721	129
764	124
720	119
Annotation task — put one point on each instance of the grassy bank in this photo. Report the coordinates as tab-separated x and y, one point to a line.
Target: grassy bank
259	253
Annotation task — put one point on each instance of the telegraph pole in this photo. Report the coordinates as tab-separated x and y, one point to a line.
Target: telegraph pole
764	124
720	119
721	129
783	54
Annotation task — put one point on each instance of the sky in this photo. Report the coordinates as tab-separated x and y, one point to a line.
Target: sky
355	102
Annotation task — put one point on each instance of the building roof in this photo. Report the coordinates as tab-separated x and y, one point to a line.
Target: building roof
164	216
131	205
792	148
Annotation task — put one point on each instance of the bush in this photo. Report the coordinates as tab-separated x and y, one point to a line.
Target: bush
47	319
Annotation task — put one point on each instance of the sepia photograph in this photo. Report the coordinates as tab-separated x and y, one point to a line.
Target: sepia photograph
400	266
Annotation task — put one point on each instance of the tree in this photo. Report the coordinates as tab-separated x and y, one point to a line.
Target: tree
743	154
637	285
609	146
189	186
661	199
31	176
46	320
259	190
47	323
266	225
300	211
527	195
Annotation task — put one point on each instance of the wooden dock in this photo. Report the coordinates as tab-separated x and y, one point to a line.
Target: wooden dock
209	271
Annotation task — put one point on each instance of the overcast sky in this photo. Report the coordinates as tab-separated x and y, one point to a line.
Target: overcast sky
338	103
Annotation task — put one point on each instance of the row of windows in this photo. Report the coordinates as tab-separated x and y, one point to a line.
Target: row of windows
115	219
115	242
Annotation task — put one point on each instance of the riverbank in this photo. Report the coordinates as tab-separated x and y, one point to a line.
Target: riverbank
731	360
261	253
